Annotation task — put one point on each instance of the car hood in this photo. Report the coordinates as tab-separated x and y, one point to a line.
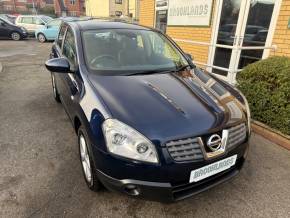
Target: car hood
169	106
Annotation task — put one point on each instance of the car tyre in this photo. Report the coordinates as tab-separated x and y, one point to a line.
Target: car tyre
56	95
41	38
15	36
88	167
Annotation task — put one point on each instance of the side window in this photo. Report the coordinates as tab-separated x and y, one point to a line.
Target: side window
69	48
54	23
38	21
27	20
61	35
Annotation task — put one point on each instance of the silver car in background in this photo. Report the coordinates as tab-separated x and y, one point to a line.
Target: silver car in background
32	22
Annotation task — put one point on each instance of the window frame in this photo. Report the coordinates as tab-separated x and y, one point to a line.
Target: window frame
119	2
57	41
73	66
23	18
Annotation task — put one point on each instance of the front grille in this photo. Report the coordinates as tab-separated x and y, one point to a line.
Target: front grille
189	149
237	135
185	150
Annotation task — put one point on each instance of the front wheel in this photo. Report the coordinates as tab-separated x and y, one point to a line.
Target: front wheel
41	38
88	167
54	89
15	36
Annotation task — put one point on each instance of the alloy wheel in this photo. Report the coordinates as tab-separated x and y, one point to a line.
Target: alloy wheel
85	159
41	38
15	36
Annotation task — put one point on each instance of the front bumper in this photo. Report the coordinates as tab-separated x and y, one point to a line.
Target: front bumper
24	35
165	189
165	192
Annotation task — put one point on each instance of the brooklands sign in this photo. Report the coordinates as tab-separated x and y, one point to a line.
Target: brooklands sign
189	12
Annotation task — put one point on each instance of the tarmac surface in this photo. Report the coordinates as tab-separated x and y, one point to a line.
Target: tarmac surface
40	173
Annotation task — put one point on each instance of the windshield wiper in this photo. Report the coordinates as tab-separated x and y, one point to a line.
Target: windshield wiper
148	72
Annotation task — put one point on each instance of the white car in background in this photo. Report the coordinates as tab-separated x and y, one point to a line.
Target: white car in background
32	22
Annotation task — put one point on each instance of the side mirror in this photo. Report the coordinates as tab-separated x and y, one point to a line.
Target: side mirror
189	57
58	65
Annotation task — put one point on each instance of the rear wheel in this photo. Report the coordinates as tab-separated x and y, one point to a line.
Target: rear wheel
15	36
88	167
41	38
54	89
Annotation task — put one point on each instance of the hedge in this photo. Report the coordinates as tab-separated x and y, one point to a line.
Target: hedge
266	84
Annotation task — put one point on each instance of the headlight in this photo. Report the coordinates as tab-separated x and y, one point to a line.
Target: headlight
124	141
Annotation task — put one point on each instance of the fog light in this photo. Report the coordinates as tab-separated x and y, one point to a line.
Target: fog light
132	190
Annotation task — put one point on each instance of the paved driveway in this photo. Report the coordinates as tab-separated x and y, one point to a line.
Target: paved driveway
40	173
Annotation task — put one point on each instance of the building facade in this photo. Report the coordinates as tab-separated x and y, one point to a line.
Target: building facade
113	8
69	8
223	36
24	6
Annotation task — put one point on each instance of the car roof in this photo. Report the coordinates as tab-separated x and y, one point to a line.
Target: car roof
33	15
94	24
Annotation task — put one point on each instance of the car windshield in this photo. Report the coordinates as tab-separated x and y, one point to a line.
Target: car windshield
127	51
6	20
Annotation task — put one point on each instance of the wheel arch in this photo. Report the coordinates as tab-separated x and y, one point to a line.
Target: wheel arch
93	125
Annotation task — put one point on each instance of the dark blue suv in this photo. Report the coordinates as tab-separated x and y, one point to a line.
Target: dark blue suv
150	124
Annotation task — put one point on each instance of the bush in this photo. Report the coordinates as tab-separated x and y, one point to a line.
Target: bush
266	84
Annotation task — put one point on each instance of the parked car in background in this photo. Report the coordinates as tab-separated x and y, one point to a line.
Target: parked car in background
150	123
32	22
9	17
10	31
49	31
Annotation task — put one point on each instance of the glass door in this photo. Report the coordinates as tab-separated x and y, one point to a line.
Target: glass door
226	36
256	31
241	35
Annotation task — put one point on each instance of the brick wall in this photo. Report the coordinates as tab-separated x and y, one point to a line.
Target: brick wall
200	53
72	9
202	34
282	33
147	12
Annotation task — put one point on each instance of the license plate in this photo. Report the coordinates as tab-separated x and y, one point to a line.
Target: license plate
212	169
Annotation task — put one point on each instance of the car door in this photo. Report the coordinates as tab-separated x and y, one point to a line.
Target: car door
69	87
52	28
4	29
27	23
37	23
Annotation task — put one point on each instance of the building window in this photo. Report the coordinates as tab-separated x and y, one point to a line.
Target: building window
118	1
7	7
73	13
118	13
72	2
